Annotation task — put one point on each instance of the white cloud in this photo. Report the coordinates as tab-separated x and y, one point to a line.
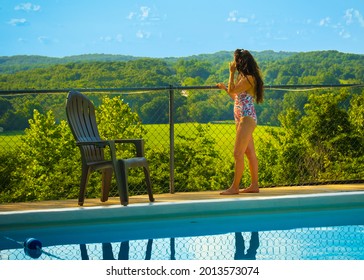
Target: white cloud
44	40
18	22
143	34
233	17
29	7
142	19
144	12
351	15
106	38
344	34
131	15
243	20
325	21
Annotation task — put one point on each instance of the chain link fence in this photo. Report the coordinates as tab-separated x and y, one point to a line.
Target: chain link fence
305	135
328	243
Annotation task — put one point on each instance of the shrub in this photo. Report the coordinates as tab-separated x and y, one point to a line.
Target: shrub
47	161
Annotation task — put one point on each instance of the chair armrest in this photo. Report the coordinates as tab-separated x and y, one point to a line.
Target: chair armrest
98	144
139	145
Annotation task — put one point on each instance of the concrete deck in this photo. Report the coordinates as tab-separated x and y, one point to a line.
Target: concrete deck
185	196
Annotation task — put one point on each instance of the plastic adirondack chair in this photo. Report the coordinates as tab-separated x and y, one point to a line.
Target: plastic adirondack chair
82	121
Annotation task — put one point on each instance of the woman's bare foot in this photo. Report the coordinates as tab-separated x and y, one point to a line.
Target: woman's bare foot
250	189
230	191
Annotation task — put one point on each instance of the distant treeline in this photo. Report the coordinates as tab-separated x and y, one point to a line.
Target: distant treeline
114	71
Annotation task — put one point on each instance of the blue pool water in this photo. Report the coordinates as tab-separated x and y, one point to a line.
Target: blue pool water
326	243
305	228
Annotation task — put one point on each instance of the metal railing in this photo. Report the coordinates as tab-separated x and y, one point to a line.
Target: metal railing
171	92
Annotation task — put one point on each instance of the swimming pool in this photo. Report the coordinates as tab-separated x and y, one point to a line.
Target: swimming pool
305	227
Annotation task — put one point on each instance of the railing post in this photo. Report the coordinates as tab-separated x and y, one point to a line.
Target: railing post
171	139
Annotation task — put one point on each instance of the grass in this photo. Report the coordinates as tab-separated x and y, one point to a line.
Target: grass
158	135
10	140
223	135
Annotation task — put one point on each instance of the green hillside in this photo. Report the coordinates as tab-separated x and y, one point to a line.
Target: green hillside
116	71
321	67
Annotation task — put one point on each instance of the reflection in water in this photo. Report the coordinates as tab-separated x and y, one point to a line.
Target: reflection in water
107	253
148	254
173	249
84	255
326	243
240	247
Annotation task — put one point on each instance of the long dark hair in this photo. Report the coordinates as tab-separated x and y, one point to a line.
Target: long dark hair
246	65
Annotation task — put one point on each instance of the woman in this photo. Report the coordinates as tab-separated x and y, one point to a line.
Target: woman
243	89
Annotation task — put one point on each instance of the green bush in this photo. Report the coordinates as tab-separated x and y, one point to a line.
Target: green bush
323	144
47	161
8	164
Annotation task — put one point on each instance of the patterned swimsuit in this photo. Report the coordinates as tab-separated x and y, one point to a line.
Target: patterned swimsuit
244	106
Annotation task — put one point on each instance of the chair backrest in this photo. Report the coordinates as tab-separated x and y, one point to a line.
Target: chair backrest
82	121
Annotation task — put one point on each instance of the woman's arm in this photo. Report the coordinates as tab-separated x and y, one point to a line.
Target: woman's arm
231	84
243	84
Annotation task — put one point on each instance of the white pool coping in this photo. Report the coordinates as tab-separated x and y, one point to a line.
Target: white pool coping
186	209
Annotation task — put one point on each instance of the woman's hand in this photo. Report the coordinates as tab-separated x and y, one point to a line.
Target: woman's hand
232	67
222	86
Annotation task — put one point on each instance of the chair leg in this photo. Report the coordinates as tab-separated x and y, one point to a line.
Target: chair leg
84	179
149	184
121	174
106	183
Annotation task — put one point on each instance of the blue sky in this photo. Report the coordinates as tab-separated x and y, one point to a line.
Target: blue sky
165	28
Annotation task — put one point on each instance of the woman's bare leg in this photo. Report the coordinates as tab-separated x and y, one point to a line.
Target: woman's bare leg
244	134
253	166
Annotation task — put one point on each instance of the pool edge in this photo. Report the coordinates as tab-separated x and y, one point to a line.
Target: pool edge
183	209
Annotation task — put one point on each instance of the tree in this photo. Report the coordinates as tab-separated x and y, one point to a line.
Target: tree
202	112
356	113
156	110
5	105
116	120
